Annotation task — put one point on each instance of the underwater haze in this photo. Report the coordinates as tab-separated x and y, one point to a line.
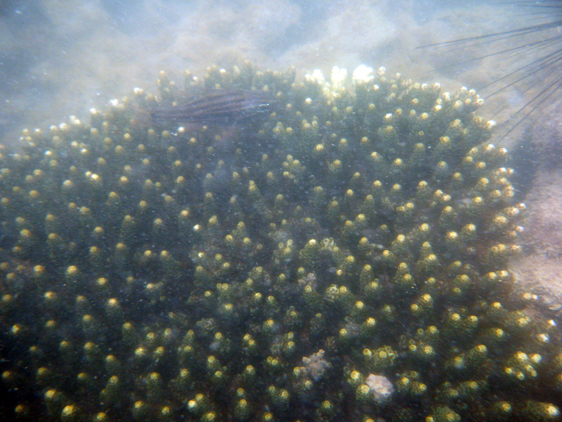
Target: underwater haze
280	211
59	58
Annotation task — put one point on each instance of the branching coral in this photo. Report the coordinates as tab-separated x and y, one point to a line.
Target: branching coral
158	272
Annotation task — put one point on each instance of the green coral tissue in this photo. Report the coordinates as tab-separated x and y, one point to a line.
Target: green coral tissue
341	254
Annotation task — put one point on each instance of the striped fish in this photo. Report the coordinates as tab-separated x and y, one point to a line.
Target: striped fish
221	106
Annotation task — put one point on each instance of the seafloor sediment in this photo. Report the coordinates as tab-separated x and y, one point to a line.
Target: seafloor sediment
343	256
539	268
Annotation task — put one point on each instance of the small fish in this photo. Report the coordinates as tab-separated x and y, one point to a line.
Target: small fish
221	106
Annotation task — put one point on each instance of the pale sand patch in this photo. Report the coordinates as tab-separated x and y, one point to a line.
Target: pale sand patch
539	269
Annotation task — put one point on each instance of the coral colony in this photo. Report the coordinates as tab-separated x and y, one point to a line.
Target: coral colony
343	255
